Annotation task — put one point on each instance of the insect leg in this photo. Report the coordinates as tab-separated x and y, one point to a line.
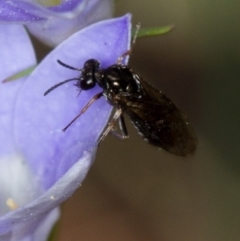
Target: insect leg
122	126
120	59
110	125
94	98
138	26
128	52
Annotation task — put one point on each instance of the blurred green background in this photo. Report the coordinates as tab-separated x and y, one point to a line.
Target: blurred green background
136	192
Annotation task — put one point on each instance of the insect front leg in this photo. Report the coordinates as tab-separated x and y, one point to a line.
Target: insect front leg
90	102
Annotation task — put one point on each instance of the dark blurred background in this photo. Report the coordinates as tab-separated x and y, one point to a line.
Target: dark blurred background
136	192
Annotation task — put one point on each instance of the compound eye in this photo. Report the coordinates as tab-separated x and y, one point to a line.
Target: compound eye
87	83
92	63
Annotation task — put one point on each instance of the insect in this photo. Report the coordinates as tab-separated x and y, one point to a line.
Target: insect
155	116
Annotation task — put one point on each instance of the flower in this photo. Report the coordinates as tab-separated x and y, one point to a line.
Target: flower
54	24
41	166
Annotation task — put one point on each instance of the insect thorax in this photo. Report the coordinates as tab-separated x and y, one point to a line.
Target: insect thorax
120	79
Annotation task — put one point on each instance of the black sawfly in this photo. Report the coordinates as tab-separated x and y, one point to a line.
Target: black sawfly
158	120
155	116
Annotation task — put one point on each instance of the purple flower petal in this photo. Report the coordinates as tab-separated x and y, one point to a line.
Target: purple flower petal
52	25
35	219
21	11
15	56
39	120
40	165
16	179
17	52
